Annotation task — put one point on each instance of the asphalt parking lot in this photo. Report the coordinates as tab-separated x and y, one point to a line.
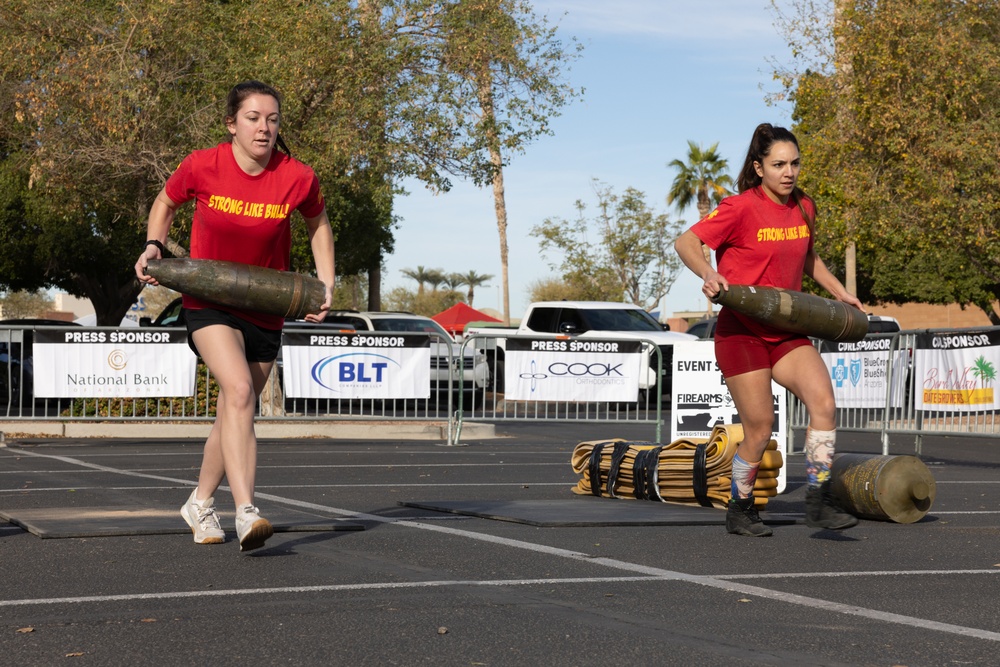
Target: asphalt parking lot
365	580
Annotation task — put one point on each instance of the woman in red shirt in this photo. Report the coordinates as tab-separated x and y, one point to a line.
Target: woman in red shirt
764	236
245	191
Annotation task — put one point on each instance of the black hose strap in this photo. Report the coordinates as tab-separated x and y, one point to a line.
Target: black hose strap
645	472
653	473
594	468
699	476
639	475
621	448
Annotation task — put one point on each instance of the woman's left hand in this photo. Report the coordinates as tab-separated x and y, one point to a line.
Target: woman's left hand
324	309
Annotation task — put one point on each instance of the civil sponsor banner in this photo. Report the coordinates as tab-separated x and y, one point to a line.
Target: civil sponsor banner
957	372
562	369
701	399
860	372
117	363
361	365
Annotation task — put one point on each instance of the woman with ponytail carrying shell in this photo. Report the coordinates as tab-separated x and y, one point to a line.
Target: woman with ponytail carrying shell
764	236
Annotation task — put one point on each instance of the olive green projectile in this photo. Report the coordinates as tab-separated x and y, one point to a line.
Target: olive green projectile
797	312
256	288
896	488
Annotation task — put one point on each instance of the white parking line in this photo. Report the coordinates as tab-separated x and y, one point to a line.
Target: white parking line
310	466
645	571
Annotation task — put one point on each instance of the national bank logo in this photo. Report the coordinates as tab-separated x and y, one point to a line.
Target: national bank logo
353	369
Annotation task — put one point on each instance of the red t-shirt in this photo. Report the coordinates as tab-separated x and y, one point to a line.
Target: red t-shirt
243	218
759	242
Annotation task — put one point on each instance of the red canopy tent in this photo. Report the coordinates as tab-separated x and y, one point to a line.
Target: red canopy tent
455	318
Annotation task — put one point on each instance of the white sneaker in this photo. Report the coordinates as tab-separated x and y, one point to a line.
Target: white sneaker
252	529
204	522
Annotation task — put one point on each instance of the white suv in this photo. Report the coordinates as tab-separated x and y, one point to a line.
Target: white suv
474	372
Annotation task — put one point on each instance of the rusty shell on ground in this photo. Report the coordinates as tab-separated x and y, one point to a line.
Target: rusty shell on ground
896	488
797	312
244	286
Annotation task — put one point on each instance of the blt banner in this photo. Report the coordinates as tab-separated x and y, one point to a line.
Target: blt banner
860	372
348	365
557	369
956	372
121	363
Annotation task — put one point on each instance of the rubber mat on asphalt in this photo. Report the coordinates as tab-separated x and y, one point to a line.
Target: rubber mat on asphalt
64	522
585	511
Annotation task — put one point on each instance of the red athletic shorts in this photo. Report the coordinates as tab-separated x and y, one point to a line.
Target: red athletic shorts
739	350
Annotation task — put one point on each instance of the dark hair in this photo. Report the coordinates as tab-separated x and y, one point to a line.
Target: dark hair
243	90
764	137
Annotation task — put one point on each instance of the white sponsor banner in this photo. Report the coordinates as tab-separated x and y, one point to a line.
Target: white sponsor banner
348	365
120	363
860	372
702	401
550	369
957	372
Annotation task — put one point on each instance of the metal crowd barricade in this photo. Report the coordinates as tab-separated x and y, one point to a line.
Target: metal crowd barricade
18	402
489	404
898	415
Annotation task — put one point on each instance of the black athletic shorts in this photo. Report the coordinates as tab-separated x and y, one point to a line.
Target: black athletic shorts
261	344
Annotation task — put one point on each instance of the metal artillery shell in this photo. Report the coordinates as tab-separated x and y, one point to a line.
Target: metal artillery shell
898	488
797	312
245	286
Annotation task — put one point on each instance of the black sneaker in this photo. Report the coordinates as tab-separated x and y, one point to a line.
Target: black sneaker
742	519
822	511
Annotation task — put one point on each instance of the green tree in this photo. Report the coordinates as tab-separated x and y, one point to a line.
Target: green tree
913	186
632	261
17	305
426	304
558	289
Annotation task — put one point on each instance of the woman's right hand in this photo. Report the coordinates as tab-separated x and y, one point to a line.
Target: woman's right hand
714	284
150	252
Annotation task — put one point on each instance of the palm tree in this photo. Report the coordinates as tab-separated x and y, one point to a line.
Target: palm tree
703	181
453	281
421	275
434	278
473	280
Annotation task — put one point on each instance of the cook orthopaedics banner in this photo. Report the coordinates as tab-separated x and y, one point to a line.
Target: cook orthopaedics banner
369	365
120	363
860	372
957	371
549	369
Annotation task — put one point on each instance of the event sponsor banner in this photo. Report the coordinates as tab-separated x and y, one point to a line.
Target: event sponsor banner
957	371
119	363
348	365
860	372
560	369
701	399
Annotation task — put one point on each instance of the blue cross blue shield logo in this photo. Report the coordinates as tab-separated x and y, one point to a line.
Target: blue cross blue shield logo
855	371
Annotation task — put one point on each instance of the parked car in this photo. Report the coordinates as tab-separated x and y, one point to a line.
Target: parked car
17	366
878	324
171	316
704	328
473	374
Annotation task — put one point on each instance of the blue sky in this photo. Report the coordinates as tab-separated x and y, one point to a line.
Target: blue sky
657	73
